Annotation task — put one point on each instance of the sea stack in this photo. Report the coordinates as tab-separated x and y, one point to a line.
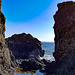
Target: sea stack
5	62
64	29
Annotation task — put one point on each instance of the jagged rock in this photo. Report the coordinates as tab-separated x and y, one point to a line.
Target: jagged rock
65	38
46	62
64	29
5	61
32	64
24	46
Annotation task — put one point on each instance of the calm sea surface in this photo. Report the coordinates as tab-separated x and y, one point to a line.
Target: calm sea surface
49	49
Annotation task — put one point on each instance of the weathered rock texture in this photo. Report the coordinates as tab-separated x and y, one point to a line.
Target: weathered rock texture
65	38
5	61
64	29
24	46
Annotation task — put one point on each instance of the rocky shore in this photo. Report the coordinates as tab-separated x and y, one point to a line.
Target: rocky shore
23	50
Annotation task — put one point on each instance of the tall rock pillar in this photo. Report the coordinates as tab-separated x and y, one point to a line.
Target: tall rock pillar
64	29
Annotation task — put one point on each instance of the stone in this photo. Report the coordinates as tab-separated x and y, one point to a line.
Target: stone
1	55
1	67
5	61
32	64
24	46
46	62
64	29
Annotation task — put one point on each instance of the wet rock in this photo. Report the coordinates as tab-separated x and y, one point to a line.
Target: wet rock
46	62
32	64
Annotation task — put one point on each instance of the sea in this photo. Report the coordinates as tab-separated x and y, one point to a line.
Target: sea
49	49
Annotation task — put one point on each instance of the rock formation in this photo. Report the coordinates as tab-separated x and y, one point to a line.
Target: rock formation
64	29
5	61
27	51
32	64
24	46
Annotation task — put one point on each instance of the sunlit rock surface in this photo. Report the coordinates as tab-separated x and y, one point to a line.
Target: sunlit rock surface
5	61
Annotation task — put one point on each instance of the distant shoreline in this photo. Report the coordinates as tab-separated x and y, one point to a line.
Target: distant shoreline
47	42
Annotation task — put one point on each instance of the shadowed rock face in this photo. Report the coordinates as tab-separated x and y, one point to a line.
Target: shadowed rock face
64	29
0	4
2	23
24	46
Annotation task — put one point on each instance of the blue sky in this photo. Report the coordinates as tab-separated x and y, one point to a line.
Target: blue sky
30	16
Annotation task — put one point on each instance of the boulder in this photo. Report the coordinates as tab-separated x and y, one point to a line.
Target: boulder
24	46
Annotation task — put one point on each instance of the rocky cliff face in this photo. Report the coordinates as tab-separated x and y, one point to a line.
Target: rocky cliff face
64	29
24	46
5	61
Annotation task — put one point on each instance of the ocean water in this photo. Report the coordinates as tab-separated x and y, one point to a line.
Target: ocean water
49	49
